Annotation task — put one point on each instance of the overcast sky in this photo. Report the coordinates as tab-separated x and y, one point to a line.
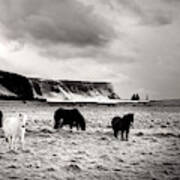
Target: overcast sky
135	44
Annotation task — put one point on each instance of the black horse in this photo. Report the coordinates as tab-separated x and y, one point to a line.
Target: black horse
1	116
122	124
71	117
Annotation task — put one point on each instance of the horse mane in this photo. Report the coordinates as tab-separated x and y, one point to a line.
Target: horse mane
129	117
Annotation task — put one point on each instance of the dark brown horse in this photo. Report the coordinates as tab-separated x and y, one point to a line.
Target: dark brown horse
71	117
122	124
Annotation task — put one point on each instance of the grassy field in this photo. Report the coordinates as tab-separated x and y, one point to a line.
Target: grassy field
152	152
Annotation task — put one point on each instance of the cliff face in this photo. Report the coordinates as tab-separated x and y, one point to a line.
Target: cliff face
14	86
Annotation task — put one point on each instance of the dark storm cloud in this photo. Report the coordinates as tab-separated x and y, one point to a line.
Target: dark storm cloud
49	22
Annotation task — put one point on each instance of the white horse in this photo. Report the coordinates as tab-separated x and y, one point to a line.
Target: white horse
14	129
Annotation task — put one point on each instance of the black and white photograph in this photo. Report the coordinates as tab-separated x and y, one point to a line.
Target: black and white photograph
90	89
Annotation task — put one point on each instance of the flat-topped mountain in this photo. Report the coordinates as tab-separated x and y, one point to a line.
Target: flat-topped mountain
15	86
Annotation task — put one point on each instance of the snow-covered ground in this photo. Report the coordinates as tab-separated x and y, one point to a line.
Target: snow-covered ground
152	152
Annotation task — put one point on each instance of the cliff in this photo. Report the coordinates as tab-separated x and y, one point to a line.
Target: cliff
14	86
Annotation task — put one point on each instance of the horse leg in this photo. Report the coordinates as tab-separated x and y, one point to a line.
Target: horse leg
122	135
22	140
56	122
115	133
71	125
127	133
77	126
13	143
61	124
9	140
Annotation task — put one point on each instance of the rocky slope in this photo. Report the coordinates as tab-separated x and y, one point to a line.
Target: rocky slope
14	86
